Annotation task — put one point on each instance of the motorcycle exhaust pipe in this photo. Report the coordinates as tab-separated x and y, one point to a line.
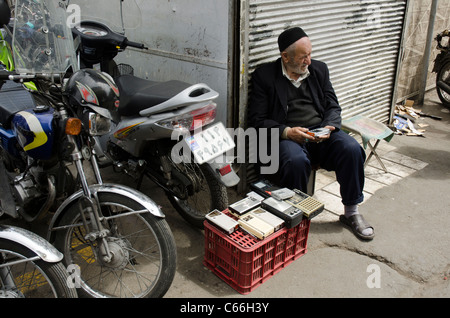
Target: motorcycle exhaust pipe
444	87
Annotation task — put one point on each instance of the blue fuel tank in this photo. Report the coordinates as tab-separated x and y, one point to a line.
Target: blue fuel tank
34	131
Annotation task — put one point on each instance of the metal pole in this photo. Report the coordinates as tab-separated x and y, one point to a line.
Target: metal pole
426	64
400	59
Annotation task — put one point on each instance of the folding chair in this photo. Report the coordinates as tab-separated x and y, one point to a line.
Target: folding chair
369	129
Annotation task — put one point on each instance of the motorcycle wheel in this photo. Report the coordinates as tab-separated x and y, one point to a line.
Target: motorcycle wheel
444	76
144	261
209	194
32	278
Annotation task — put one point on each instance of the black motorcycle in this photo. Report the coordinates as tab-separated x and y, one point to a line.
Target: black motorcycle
442	67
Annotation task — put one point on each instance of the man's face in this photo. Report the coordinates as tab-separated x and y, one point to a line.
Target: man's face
299	61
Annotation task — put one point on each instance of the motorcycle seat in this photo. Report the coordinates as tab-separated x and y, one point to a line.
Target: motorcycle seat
137	94
13	99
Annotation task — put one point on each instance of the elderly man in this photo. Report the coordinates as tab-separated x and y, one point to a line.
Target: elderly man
294	95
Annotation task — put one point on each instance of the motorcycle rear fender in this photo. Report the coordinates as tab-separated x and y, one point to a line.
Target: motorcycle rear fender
125	191
224	171
32	241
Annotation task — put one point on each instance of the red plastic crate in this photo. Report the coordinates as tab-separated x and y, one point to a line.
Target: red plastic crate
244	262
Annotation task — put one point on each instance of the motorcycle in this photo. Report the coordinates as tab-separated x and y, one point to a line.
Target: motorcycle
155	116
442	67
30	267
116	237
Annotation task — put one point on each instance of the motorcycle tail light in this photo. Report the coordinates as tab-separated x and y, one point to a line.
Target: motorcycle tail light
192	120
225	170
203	116
73	126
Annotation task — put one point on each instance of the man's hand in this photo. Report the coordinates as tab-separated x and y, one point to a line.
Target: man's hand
300	135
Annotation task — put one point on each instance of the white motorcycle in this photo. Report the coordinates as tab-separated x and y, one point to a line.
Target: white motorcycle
193	172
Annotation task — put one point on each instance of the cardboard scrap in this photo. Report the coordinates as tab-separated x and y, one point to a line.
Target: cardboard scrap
405	117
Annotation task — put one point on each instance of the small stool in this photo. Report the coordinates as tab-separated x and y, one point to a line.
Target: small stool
369	129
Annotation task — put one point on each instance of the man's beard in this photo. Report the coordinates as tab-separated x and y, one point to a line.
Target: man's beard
298	69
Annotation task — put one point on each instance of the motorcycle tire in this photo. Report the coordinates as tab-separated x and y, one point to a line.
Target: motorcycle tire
146	259
32	279
211	195
444	76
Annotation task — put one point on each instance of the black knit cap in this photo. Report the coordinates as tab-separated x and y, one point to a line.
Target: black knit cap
289	37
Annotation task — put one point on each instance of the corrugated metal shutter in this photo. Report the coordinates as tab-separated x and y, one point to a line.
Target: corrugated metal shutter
359	40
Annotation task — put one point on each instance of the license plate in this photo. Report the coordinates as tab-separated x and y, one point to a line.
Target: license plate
210	143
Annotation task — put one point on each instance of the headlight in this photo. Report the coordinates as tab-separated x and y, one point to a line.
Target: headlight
98	125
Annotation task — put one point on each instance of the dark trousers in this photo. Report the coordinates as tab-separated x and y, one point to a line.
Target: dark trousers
341	153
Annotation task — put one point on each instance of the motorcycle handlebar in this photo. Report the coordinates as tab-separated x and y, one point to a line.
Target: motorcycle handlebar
5	75
13	76
135	44
110	37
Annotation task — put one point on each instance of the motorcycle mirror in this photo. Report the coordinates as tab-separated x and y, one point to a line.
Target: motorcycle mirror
5	12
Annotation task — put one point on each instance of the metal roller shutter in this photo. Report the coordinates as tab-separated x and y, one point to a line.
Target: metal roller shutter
359	40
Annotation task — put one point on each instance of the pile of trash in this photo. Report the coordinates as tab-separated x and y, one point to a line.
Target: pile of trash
407	120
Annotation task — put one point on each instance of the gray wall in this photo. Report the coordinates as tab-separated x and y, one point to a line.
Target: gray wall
187	40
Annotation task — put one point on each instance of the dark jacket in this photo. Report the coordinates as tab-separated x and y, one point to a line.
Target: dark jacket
268	108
